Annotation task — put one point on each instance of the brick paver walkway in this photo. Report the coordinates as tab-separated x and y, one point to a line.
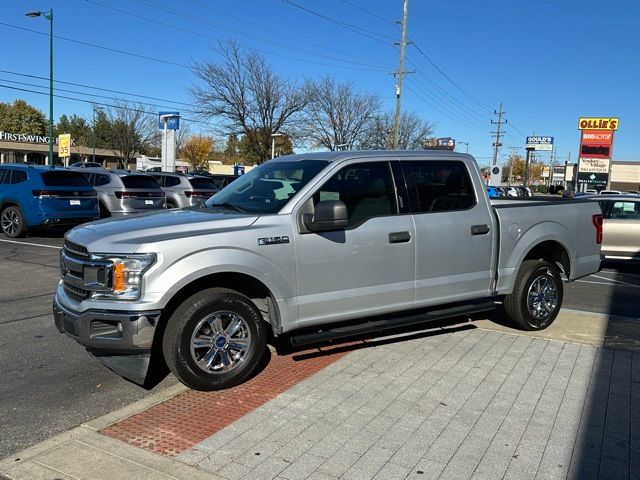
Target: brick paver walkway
466	404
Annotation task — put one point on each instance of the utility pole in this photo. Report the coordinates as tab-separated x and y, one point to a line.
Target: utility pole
399	75
497	133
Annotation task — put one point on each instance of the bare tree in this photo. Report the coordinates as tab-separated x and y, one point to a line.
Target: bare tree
338	116
248	96
132	129
413	130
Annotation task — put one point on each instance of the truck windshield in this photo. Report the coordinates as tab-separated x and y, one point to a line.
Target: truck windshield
267	188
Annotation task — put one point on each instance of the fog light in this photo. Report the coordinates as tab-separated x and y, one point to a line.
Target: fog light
119	327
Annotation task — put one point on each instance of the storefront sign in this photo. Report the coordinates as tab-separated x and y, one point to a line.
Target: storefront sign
593	178
607	123
597	137
540	143
23	137
594	165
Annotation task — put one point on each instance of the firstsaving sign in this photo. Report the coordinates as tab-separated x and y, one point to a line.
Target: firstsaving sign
540	143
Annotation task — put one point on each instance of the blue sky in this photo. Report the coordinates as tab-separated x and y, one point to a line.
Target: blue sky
549	62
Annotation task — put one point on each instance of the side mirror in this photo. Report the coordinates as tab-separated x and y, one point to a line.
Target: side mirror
327	215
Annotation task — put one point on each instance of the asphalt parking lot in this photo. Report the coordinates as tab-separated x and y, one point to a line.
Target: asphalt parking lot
49	383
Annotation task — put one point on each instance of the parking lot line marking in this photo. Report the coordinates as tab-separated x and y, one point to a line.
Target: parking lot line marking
607	283
617	281
28	243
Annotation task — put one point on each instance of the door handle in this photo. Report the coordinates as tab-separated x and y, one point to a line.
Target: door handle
479	229
399	237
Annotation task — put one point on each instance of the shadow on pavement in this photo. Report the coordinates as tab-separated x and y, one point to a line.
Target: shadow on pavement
608	438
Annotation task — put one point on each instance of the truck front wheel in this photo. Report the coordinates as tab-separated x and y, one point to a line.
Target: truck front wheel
537	296
214	340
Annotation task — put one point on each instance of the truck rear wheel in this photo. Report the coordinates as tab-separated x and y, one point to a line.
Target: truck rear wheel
214	340
537	296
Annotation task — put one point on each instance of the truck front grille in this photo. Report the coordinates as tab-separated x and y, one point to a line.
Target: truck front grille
77	294
73	250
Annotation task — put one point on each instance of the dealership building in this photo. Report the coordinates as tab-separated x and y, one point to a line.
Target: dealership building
21	148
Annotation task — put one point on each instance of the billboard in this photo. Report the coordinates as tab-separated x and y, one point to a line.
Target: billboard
598	123
443	143
540	143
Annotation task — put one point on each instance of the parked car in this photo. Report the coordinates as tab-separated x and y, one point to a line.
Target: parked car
39	196
524	191
512	192
591	191
632	192
86	165
610	192
494	192
316	247
621	230
185	190
220	180
121	192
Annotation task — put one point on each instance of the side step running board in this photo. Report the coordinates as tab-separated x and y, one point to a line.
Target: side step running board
381	324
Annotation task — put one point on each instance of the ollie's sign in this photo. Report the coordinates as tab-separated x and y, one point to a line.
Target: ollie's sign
606	123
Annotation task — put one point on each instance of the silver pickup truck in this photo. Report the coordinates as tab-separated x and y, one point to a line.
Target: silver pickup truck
315	247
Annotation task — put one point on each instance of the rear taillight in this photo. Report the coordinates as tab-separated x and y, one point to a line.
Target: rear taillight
597	222
46	194
123	195
196	193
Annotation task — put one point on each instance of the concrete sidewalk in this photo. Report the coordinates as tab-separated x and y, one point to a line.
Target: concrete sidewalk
454	403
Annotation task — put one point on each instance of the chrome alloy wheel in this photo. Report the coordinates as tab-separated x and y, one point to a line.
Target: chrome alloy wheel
220	342
542	297
10	222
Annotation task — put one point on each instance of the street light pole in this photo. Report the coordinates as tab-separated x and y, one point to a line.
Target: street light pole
273	143
466	144
49	16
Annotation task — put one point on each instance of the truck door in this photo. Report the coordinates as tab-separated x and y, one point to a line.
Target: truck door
366	268
453	236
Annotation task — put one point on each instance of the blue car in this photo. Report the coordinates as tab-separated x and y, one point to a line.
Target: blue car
37	196
494	192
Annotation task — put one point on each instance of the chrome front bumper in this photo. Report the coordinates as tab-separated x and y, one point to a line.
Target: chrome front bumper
121	340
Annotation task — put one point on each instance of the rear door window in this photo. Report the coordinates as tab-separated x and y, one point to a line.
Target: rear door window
64	179
170	181
440	186
3	174
140	181
18	176
625	211
202	184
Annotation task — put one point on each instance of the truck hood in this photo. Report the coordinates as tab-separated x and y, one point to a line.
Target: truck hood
127	234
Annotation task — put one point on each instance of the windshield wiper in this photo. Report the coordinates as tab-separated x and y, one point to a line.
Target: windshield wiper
229	206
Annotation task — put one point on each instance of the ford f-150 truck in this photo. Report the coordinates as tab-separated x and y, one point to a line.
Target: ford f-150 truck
316	247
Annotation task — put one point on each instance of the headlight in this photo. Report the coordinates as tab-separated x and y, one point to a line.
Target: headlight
125	272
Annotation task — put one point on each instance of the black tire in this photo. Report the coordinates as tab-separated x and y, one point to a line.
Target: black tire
190	320
525	307
171	204
12	222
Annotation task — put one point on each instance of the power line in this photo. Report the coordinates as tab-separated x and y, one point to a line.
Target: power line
351	65
85	93
102	47
118	92
97	103
368	12
250	35
359	30
456	119
278	32
453	82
